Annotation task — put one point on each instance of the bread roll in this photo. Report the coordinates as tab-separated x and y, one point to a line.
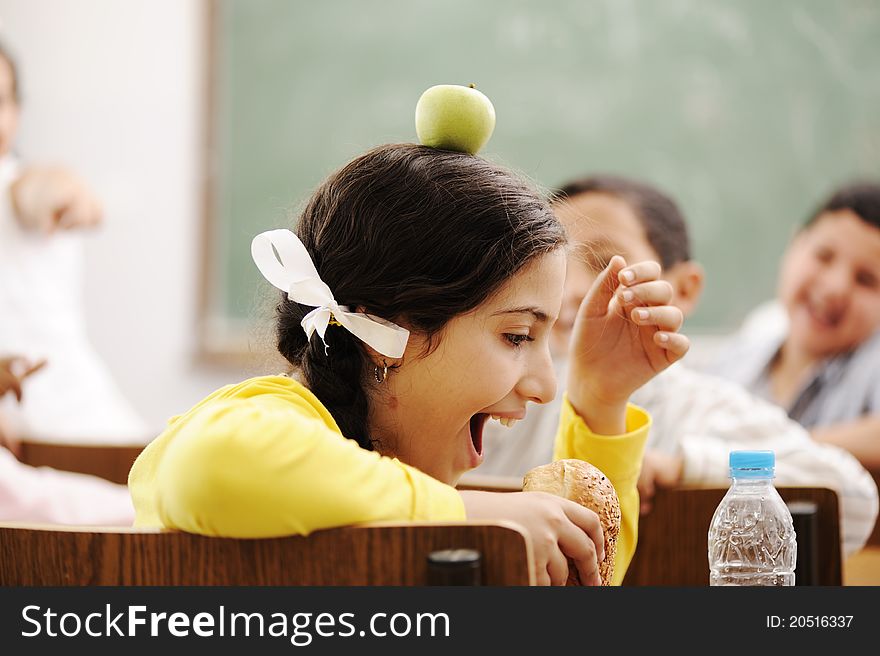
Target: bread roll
582	483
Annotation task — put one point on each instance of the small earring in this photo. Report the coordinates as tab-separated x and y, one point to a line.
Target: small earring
381	373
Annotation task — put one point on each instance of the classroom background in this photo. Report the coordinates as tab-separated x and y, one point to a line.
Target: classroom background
200	123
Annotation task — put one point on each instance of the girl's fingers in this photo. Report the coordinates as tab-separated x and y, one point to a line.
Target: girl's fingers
557	568
588	522
588	569
656	292
542	577
595	303
665	317
639	272
675	344
583	552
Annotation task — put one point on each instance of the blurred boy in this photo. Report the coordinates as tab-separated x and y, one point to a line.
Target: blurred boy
697	419
816	350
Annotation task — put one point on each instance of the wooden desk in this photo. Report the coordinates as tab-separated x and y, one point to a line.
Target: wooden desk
863	567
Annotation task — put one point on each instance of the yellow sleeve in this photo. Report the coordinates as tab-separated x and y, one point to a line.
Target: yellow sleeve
620	459
258	468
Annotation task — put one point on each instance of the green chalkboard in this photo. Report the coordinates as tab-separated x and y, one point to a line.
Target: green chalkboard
748	112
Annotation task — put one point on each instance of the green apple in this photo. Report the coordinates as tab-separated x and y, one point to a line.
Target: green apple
454	117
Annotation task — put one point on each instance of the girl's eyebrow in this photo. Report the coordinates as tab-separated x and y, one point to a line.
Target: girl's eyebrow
539	315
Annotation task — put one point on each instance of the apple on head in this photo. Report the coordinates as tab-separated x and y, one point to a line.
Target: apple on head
454	117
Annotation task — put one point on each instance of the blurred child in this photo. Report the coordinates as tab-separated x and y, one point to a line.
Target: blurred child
417	298
697	418
43	495
816	350
74	399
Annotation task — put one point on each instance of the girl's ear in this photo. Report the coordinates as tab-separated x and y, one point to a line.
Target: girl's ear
382	360
375	357
687	280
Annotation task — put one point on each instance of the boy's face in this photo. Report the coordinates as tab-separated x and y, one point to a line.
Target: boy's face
599	226
8	108
830	285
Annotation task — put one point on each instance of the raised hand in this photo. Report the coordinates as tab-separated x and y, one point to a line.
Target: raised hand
625	333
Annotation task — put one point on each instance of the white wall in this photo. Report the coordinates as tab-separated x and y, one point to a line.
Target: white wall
114	89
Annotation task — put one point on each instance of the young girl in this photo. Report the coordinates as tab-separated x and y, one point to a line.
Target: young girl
468	263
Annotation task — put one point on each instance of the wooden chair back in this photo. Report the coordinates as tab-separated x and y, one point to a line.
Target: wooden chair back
377	554
107	461
673	537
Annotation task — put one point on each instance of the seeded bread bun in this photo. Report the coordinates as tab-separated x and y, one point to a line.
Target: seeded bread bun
582	483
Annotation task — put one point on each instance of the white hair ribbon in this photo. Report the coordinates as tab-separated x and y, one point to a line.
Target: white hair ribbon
293	272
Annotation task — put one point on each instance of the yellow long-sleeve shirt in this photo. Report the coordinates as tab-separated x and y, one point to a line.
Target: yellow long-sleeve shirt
264	458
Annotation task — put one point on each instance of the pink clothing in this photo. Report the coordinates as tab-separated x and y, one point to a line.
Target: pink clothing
47	496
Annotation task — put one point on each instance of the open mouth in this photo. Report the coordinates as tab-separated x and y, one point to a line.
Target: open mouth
477	423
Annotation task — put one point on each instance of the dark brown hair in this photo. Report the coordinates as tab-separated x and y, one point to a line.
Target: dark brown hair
861	198
659	215
414	235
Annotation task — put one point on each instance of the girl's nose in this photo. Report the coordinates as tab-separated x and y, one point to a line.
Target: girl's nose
538	384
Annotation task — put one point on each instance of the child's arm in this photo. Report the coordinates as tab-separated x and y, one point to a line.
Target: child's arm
261	467
619	458
625	333
859	437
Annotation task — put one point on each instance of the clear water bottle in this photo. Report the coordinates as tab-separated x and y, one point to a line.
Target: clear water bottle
751	537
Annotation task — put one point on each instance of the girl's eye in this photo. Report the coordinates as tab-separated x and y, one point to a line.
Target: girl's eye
517	339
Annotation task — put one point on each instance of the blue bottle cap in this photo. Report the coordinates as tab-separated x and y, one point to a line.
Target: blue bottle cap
752	464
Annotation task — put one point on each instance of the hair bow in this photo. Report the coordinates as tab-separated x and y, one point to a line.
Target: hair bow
284	261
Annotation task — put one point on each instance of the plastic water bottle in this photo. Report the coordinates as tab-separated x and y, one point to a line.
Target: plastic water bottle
751	537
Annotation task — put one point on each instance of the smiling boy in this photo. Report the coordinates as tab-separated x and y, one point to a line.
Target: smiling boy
816	350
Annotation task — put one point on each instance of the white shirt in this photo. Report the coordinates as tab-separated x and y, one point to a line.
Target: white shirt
703	418
841	388
73	399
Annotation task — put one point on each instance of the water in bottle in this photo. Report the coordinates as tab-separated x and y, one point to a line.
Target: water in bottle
751	537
